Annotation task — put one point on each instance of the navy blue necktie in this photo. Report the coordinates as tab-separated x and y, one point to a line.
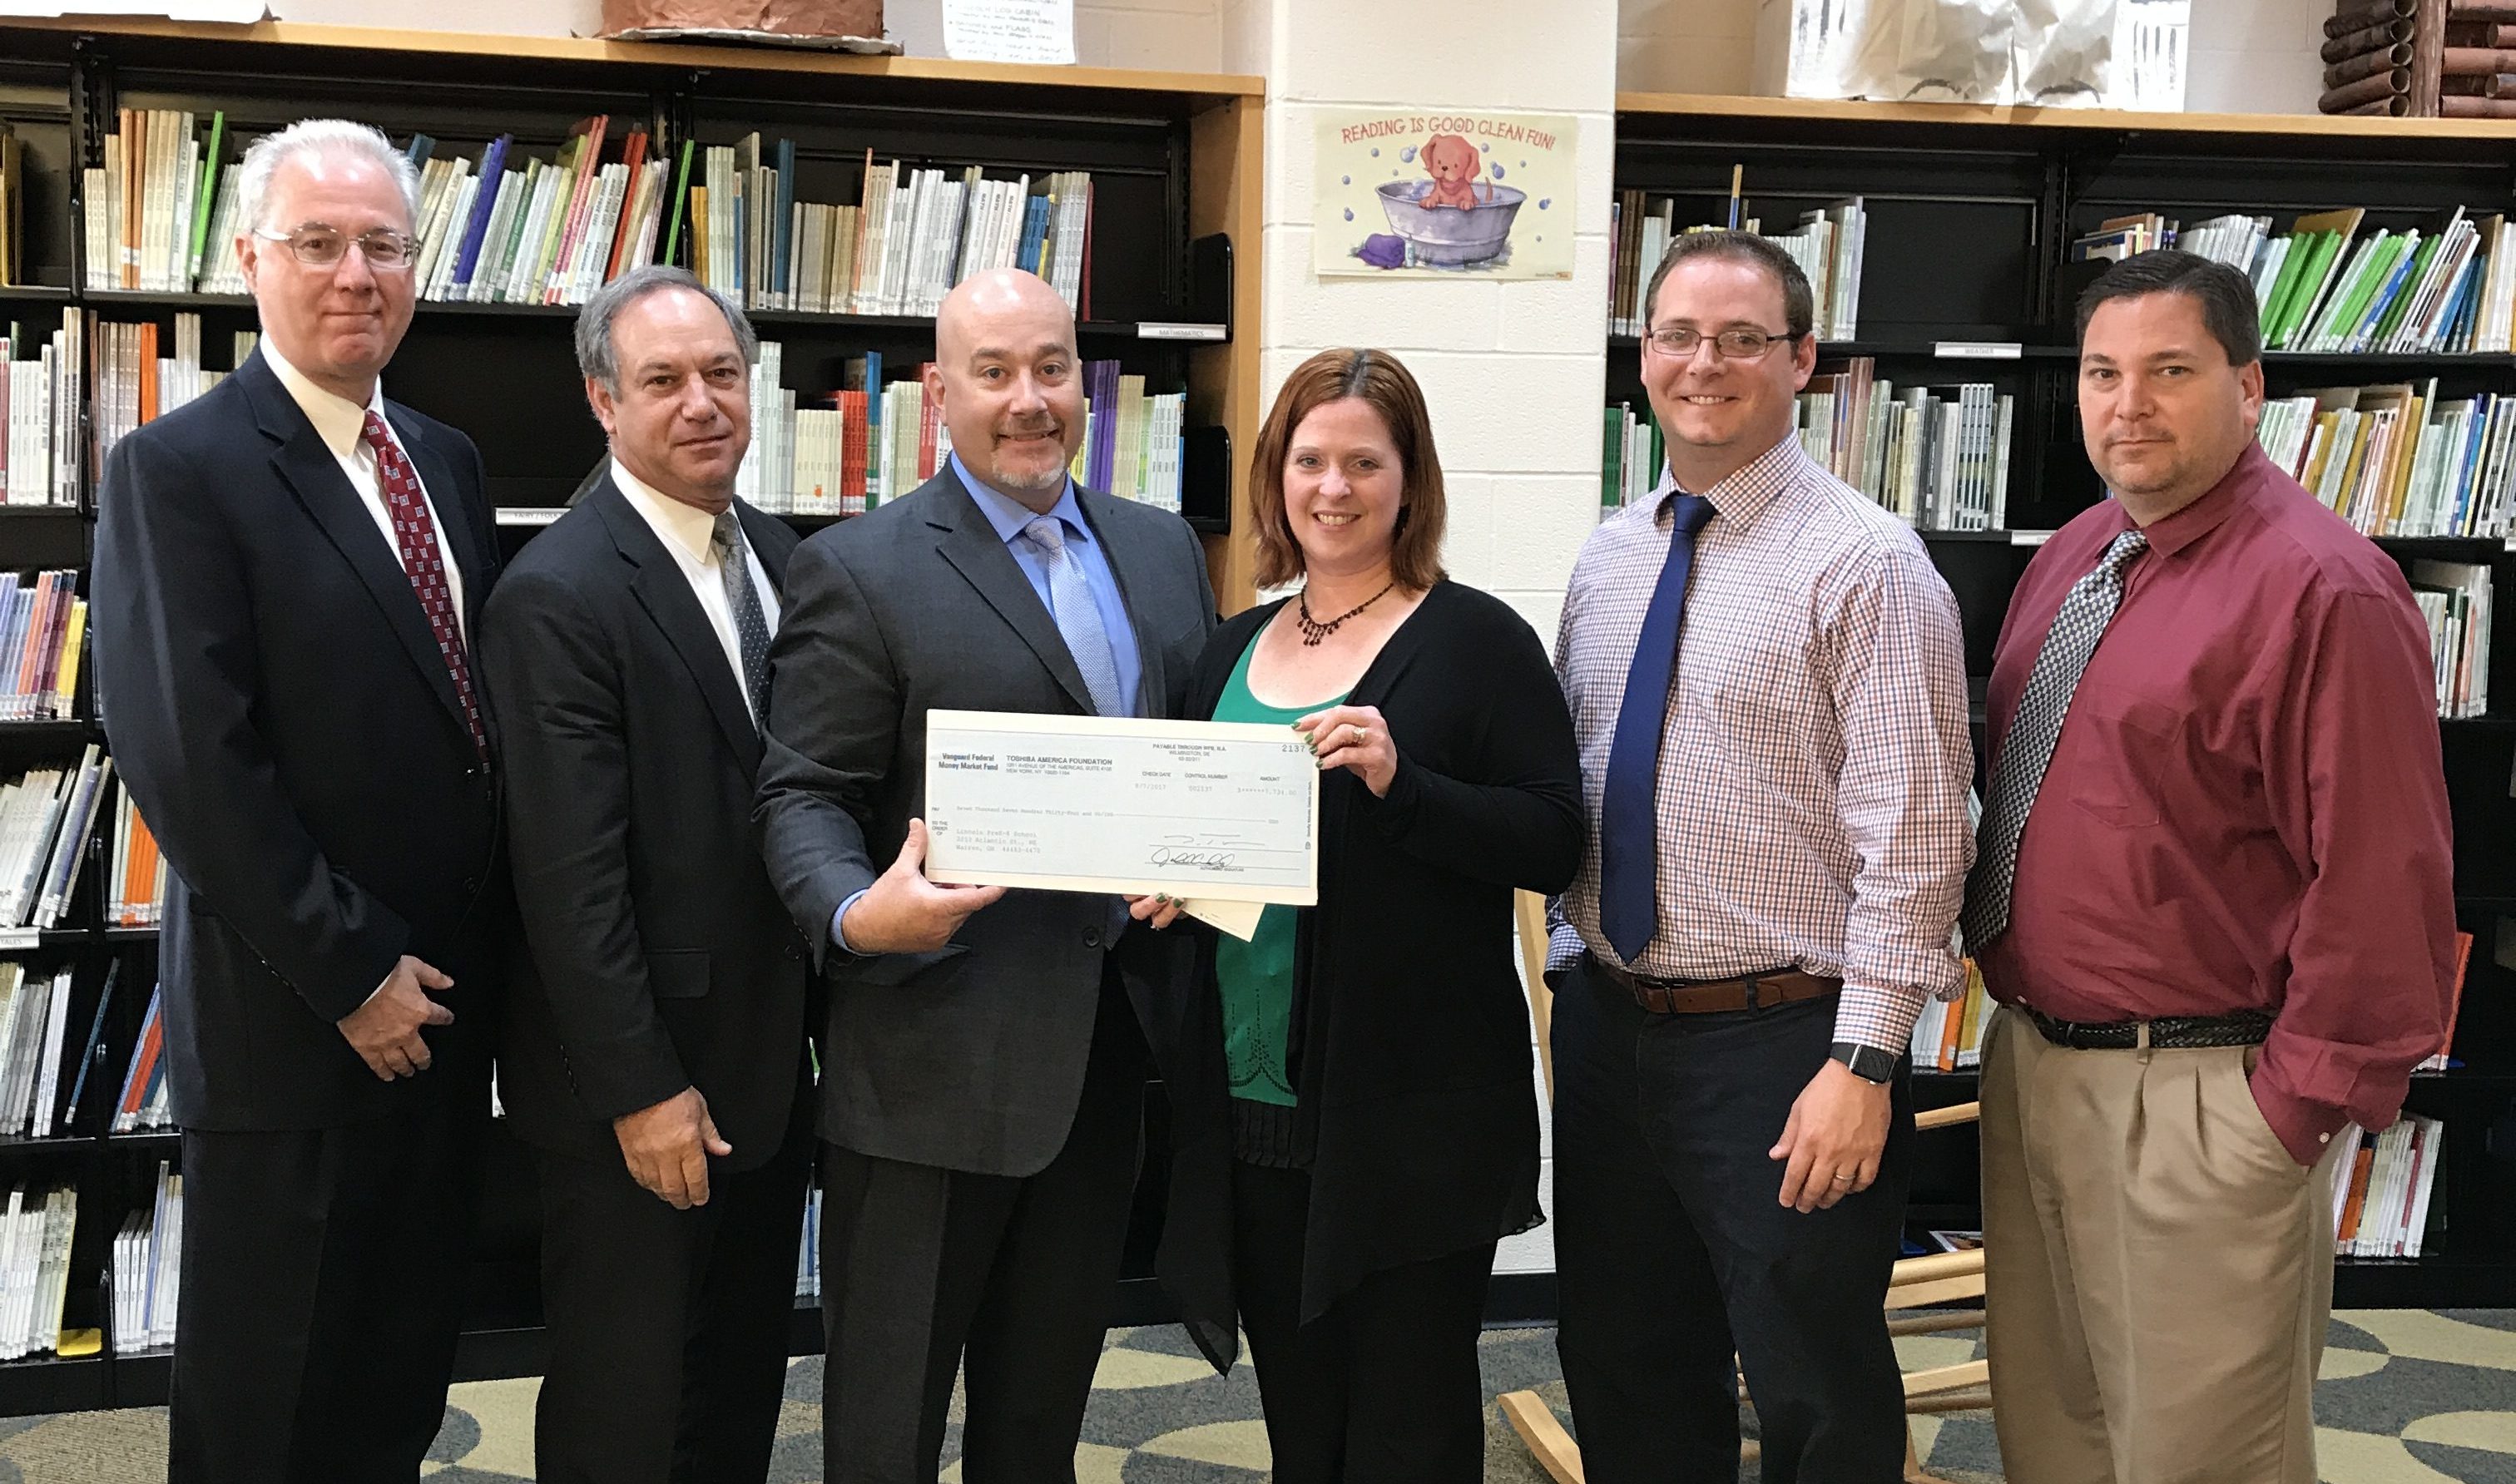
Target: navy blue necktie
1629	812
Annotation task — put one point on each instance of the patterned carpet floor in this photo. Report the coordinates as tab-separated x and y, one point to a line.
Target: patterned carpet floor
2407	1397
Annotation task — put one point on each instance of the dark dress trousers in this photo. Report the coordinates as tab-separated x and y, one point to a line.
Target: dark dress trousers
981	1104
283	716
1353	1248
659	960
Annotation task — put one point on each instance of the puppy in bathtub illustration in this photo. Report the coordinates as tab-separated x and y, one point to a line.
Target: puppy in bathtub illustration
1452	218
1453	164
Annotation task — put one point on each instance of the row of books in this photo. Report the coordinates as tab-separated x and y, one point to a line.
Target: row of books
2454	597
39	402
45	817
849	450
2398	459
913	235
1636	458
2380	1187
43	633
35	1026
37	1228
143	1105
855	448
1132	439
1938	457
135	885
134	384
2326	286
147	1265
1826	243
148	207
551	232
1947	1037
513	228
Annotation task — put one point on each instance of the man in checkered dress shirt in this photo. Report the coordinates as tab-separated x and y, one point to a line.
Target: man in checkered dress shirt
1736	1177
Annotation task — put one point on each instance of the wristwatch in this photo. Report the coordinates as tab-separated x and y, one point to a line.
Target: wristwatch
1867	1062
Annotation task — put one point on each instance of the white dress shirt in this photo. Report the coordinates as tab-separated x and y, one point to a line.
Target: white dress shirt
690	534
342	425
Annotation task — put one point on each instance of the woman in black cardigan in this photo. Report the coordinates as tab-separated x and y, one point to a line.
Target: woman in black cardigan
1354	1122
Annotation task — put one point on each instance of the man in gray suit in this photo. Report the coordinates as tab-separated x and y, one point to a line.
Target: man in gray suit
982	1091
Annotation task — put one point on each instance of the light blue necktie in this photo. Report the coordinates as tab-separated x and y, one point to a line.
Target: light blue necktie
1078	617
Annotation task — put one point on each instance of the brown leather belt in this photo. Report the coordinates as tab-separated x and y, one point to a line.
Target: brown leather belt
1678	997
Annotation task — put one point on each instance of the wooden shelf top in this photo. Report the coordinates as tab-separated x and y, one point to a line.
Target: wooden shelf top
2013	116
1216	86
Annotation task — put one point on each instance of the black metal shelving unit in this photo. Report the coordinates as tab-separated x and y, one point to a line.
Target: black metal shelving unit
1970	222
1161	292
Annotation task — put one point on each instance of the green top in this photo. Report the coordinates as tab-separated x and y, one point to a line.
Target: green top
1256	977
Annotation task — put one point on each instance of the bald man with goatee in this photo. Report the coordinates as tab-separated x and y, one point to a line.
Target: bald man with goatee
982	1091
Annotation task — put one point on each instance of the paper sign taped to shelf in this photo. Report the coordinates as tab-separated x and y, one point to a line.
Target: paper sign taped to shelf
530	515
2030	538
13	939
1153	329
1978	350
1010	30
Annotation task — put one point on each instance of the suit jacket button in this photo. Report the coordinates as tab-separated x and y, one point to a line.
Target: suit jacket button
1091	937
471	884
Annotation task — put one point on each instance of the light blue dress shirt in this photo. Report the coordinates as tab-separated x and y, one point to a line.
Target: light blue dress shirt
1008	516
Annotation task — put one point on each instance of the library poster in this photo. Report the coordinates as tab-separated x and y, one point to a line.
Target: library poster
1424	194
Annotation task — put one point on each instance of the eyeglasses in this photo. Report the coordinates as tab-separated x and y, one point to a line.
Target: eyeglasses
319	246
1679	342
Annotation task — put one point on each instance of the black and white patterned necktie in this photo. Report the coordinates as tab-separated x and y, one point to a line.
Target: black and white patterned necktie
2028	751
750	625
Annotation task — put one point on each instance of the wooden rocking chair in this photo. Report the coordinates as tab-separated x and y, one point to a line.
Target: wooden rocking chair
1918	1283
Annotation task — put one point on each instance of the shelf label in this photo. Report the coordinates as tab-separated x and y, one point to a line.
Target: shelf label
1978	350
12	938
530	515
1159	329
2030	538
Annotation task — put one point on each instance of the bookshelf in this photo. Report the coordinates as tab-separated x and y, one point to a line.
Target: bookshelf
1176	166
1972	211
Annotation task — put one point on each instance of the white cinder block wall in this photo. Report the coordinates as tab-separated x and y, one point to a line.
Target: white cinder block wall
1513	372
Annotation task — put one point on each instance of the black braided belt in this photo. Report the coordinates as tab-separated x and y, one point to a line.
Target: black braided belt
2244	1027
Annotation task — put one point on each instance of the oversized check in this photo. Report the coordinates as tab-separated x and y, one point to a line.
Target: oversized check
1222	811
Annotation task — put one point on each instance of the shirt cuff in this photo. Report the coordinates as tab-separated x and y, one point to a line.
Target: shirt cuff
838	937
1879	1017
2304	1129
1564	949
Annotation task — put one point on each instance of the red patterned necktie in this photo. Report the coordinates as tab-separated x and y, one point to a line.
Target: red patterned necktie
415	534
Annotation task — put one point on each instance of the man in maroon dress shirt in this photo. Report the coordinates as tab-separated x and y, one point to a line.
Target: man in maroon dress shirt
2213	887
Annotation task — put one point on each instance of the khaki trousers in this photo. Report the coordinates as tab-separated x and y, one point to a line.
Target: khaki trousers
2157	1269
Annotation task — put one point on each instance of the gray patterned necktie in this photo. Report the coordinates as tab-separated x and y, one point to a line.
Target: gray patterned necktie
2028	751
750	626
1078	617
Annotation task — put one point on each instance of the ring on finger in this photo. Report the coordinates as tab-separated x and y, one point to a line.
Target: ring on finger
1362	734
1843	1179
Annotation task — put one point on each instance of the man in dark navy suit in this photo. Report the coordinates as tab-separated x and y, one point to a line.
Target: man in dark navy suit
288	574
653	1048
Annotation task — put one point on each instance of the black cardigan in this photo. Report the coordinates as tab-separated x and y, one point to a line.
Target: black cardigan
1411	1035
